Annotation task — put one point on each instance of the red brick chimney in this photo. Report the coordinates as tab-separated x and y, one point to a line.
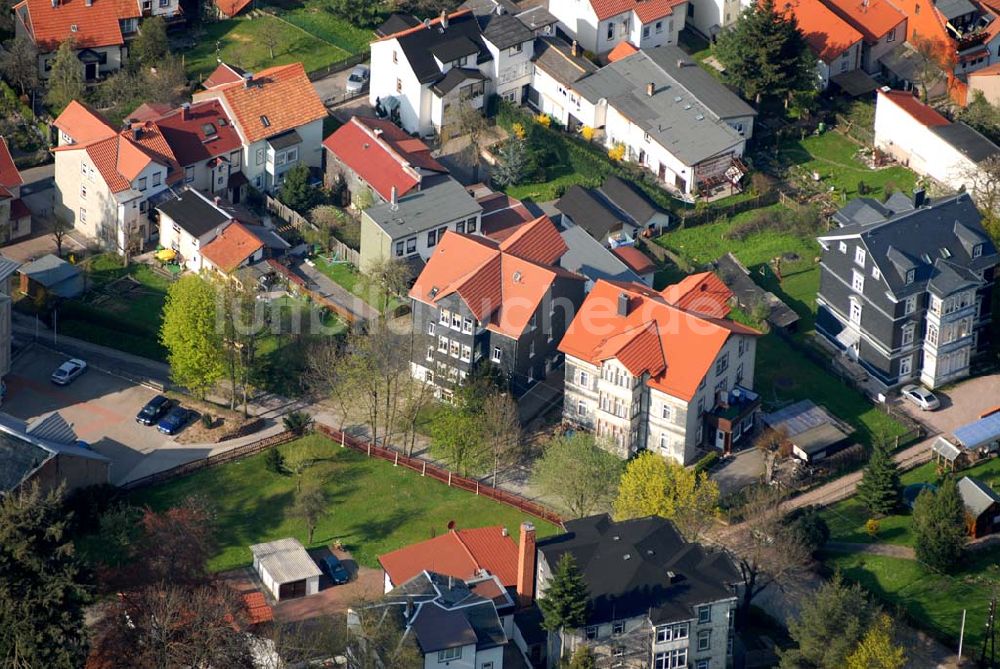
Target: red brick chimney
526	565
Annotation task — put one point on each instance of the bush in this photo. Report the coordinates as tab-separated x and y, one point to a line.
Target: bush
810	527
207	420
617	152
297	422
706	462
872	527
274	461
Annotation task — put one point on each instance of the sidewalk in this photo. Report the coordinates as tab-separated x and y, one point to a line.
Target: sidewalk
330	290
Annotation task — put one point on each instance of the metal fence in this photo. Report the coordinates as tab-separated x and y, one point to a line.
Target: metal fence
302	224
446	476
338	66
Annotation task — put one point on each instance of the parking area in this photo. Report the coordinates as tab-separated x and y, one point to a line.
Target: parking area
101	408
960	404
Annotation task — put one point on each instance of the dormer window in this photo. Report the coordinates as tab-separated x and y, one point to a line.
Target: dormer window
842	247
910	275
977	250
860	256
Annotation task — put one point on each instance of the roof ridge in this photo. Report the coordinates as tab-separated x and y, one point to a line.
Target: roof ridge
390	149
468	551
423	26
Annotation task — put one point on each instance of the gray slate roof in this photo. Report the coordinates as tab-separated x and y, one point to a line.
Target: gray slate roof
7	267
641	567
952	9
555	58
193	213
976	495
587	256
808	426
24	448
629	200
748	293
439	200
456	77
285	560
461	37
56	275
686	111
967	141
504	30
588	210
900	239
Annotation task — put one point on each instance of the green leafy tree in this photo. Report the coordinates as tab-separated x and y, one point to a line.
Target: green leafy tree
361	14
829	626
512	163
151	46
41	597
310	506
192	335
566	600
579	473
652	485
455	438
766	55
878	649
19	63
295	190
939	527
65	78
583	658
982	115
880	490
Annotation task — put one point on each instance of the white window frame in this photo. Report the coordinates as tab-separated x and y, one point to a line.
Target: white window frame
449	654
909	330
497	355
704	614
860	255
842	247
909	305
858	282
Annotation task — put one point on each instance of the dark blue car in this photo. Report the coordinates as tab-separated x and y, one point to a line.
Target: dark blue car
175	420
334	568
154	409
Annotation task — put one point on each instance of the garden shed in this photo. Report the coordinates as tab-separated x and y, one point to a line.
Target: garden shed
814	433
286	569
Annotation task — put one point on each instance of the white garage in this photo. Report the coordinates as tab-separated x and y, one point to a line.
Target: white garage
286	569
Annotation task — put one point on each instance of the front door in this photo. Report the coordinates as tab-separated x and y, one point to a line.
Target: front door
90	71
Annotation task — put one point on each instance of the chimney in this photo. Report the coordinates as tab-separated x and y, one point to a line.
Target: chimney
218	202
623	304
55	3
247	79
136	132
681	63
650	89
575	49
185	108
88	3
444	19
377	132
526	565
394	199
919	197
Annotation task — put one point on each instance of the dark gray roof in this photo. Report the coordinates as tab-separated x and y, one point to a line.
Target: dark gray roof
555	58
448	44
590	212
7	267
748	293
504	30
285	139
271	239
397	23
966	141
485	7
642	566
976	495
589	257
456	77
950	278
952	9
629	200
864	210
683	121
24	447
537	17
17	460
193	213
56	275
808	426
439	200
946	229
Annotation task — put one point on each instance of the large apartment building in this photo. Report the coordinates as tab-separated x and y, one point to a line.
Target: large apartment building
906	287
664	371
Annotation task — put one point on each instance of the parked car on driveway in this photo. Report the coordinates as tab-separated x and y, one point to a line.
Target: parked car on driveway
68	371
358	79
175	420
923	398
334	568
154	410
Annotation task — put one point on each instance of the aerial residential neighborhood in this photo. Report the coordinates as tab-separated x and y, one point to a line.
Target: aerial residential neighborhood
499	334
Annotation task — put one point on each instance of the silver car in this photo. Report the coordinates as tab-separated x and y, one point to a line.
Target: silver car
358	79
923	398
68	371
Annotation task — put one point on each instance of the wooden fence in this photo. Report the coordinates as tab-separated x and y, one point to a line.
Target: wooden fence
692	217
445	476
302	224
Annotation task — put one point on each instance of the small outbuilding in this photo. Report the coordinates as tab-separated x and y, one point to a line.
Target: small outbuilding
51	274
813	432
982	505
286	569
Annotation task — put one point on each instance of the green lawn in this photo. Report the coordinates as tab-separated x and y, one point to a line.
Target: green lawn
834	157
318	20
374	507
241	45
349	278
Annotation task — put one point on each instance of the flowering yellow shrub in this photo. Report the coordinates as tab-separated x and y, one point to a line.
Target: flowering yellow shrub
543	120
872	526
519	131
587	132
617	152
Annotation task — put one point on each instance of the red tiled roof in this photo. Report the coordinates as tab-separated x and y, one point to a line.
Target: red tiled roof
921	113
149	111
231	8
704	293
502	215
93	26
459	553
676	347
223	74
623	50
636	260
872	18
234	245
828	35
185	132
121	157
646	10
9	175
278	99
382	155
496	286
83	124
538	241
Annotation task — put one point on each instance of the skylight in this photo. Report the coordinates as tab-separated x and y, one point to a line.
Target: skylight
208	129
265	121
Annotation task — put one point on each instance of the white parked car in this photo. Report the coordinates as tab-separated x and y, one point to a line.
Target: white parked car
68	371
358	79
923	398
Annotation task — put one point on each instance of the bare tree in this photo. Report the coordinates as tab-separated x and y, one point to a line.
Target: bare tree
376	365
311	505
237	309
60	228
501	429
19	63
766	550
932	64
415	396
471	122
983	183
377	637
385	278
269	34
773	444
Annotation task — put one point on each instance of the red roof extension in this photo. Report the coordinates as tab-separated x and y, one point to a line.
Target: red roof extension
646	10
636	260
91	26
199	133
9	176
459	553
921	113
873	18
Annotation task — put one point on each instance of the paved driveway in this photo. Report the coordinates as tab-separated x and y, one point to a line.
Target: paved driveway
960	404
100	407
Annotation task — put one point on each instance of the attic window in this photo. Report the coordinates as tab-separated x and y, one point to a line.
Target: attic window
910	274
265	121
222	122
945	253
73	28
977	250
926	258
208	129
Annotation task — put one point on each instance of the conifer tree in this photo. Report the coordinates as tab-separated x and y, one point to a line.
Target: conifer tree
880	489
566	599
939	527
